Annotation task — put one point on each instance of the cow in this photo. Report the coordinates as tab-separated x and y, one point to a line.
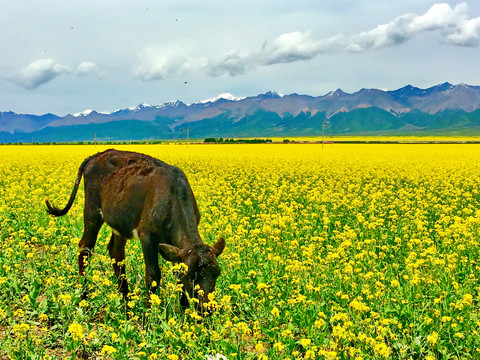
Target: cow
139	196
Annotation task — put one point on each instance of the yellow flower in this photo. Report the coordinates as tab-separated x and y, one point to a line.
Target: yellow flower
467	299
305	342
154	300
65	298
319	323
235	287
20	328
432	338
395	283
359	306
76	330
262	286
107	350
259	347
362	223
382	349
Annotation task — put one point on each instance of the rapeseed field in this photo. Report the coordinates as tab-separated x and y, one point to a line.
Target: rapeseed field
340	252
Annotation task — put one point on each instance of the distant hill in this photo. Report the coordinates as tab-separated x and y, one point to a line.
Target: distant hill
444	108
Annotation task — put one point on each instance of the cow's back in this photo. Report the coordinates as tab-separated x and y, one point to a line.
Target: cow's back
138	192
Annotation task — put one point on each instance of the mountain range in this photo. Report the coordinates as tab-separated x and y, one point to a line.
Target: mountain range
444	109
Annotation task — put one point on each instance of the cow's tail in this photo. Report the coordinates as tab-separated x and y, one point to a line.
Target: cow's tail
55	211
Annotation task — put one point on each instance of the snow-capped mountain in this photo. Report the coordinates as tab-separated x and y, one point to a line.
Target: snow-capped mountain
224	96
83	113
281	113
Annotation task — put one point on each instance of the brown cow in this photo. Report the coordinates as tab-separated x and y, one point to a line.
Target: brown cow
141	197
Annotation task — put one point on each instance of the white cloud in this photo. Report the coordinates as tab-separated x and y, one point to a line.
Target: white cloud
453	25
160	64
233	64
42	71
391	34
297	46
157	68
38	73
466	35
438	17
86	68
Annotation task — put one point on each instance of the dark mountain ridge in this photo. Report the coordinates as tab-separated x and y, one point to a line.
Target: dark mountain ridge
443	107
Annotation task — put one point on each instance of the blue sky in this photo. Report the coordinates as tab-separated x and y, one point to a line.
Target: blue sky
66	56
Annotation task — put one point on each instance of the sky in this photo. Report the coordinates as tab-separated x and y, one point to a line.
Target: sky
67	56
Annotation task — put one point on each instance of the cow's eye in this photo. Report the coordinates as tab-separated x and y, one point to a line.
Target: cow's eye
198	276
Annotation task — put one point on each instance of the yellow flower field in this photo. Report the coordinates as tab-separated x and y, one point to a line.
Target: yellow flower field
341	252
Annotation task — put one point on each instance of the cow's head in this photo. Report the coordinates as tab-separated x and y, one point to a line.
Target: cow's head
203	268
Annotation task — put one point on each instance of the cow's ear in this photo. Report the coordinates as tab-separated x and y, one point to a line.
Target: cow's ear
219	246
170	252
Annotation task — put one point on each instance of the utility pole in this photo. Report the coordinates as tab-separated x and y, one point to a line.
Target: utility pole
323	132
331	134
187	133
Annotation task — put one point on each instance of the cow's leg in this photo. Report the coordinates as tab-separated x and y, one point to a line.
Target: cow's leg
184	301
152	270
92	223
116	249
